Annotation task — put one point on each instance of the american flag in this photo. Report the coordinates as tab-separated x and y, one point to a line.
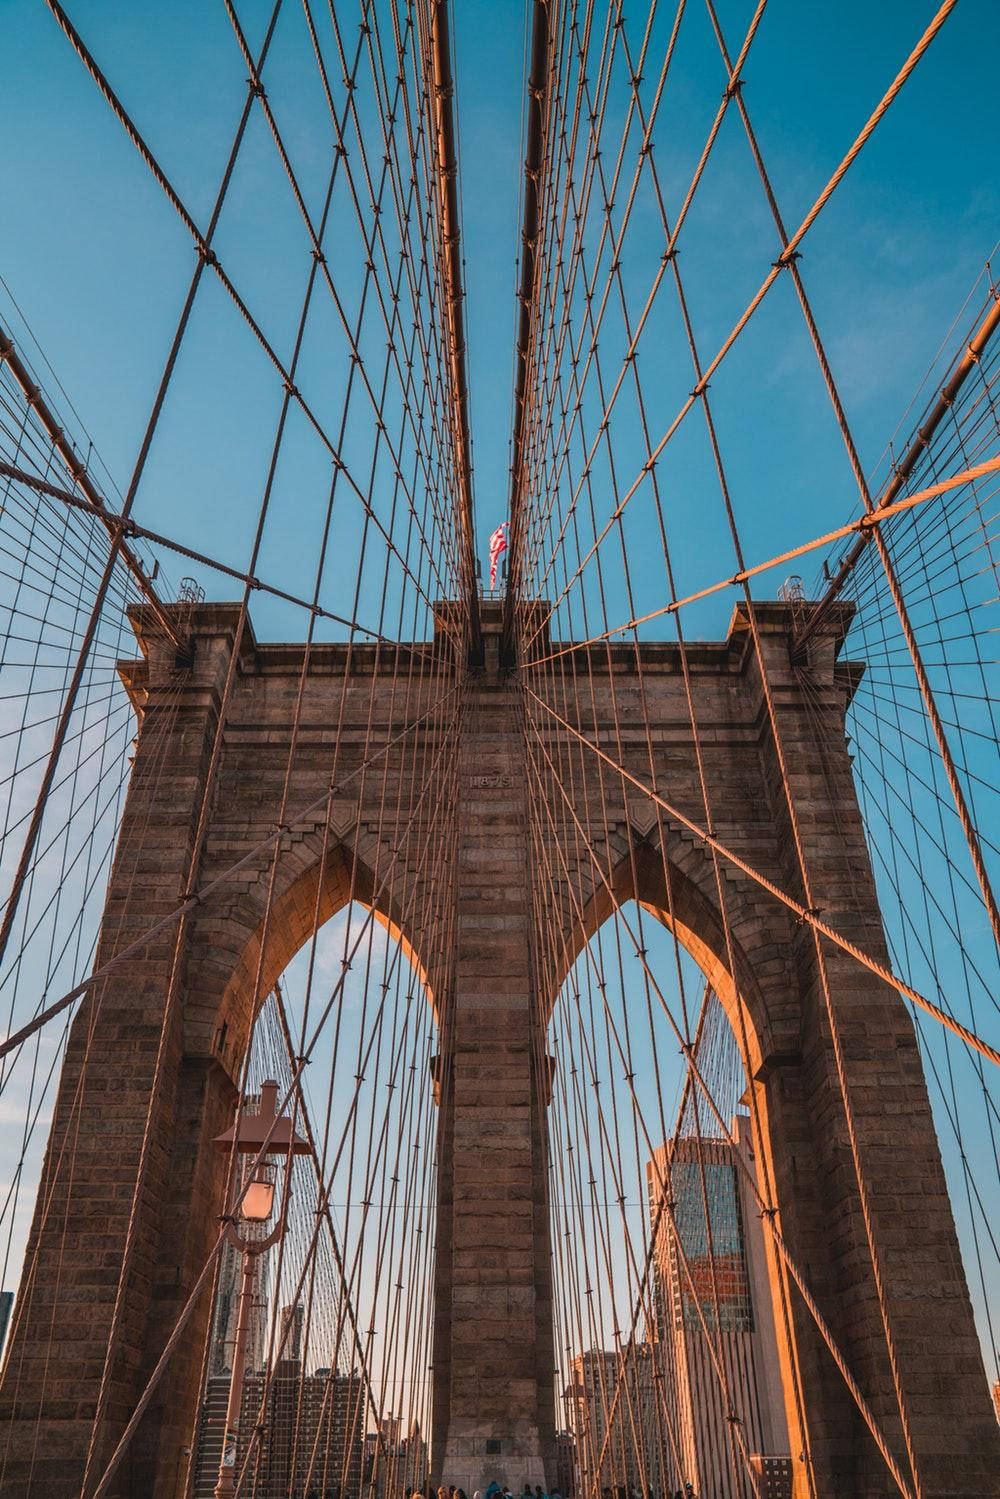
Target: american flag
498	544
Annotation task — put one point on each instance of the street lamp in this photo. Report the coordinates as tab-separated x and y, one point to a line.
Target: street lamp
252	1133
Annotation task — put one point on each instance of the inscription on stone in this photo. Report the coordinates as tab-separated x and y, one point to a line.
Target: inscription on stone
480	783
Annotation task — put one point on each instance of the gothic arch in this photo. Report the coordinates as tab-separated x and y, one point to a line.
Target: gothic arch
689	910
315	880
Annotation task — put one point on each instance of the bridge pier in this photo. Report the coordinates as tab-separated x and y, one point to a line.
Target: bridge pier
493	1358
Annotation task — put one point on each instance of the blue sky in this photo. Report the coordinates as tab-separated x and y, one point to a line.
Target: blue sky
98	264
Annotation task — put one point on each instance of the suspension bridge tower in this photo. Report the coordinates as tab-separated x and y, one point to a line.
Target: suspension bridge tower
89	1346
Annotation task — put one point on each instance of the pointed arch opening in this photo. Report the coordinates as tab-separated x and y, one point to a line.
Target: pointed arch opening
671	1335
329	998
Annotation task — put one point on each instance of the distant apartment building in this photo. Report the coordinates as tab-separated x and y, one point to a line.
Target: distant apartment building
611	1411
712	1277
313	1430
306	1428
396	1461
586	1400
414	1467
220	1358
566	1464
6	1307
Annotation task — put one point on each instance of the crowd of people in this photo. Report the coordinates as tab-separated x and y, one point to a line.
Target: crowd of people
494	1491
497	1491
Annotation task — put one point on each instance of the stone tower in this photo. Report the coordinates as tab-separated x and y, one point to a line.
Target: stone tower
493	1353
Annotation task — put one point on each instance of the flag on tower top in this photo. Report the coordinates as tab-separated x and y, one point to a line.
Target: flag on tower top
498	544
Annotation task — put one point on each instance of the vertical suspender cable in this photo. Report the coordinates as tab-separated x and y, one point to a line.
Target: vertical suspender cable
442	103
537	92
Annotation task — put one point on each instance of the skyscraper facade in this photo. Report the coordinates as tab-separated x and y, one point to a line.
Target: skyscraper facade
613	1433
311	1431
714	1333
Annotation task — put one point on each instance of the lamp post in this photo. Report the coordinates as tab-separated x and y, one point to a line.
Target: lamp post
265	1131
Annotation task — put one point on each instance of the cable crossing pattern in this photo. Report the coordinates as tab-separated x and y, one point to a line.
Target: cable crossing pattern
617	948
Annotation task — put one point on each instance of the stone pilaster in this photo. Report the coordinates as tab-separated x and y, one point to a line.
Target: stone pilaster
494	1402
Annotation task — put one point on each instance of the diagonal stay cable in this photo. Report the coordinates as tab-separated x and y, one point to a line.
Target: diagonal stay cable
205	892
861	526
769	280
92	499
809	917
129	527
208	257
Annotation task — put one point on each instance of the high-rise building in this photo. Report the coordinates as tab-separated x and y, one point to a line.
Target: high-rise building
713	1287
226	1311
311	1430
614	1430
290	1341
395	1464
566	1464
586	1400
414	1468
6	1307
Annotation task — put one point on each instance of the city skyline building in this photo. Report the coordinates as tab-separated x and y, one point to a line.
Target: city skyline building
6	1307
566	1463
715	1334
306	1429
612	1440
396	1461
